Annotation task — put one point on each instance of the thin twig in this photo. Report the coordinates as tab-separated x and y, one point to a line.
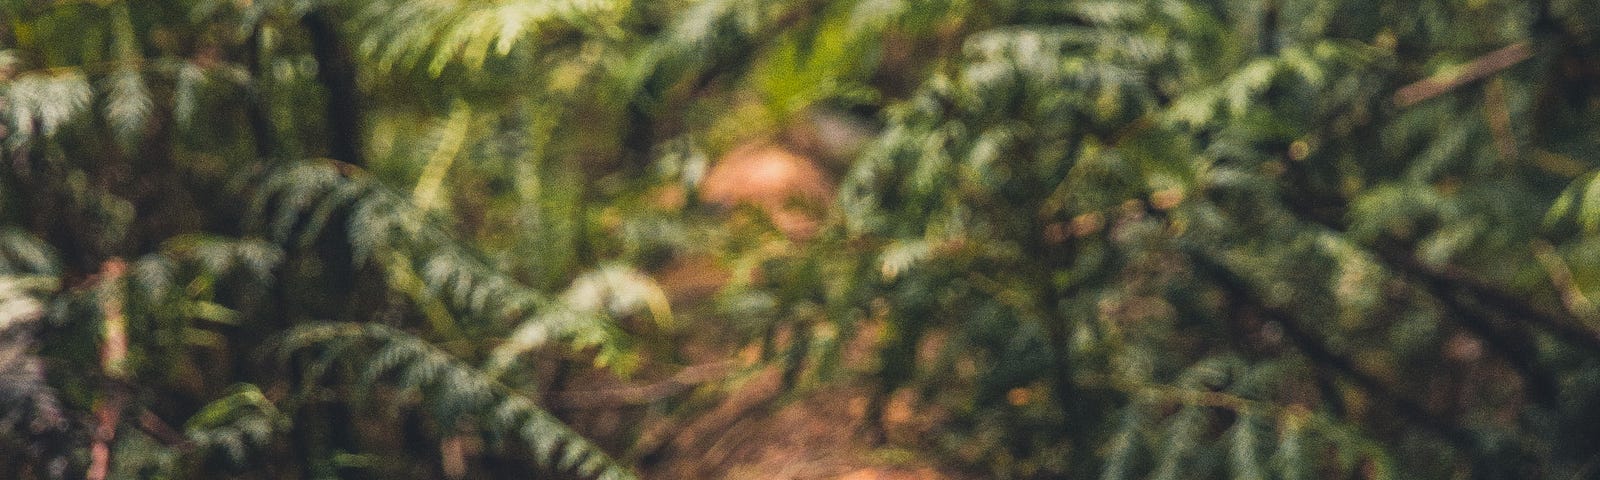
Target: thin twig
1483	66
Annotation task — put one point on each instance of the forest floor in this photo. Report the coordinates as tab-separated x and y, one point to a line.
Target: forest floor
753	429
822	435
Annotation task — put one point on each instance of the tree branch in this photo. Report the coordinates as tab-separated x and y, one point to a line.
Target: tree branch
1324	357
1513	344
1483	66
1465	284
1459	282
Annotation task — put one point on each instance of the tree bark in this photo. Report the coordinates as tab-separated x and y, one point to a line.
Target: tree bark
337	73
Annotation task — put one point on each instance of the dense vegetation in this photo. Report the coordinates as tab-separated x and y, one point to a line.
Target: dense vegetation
1096	239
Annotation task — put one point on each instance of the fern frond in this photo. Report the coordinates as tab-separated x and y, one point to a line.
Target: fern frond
18	302
24	253
1245	461
29	406
41	103
453	391
236	425
437	34
254	258
380	219
1124	445
128	104
708	29
596	296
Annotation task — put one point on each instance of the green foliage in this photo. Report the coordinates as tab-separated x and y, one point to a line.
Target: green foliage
454	392
235	425
1101	239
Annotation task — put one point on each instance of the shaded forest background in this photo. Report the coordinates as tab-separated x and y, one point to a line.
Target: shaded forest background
1253	239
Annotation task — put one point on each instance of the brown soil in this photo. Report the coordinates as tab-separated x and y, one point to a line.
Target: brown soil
731	420
820	436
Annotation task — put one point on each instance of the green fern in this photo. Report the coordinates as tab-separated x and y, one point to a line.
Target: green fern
453	391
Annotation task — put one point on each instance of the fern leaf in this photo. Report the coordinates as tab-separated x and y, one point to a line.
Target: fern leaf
453	390
128	104
42	103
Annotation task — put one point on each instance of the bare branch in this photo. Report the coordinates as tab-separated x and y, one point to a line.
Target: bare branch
1483	66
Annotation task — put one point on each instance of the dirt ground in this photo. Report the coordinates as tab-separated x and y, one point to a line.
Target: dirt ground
821	436
749	428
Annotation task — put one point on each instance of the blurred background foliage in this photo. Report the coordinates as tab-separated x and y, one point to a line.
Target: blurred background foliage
1092	239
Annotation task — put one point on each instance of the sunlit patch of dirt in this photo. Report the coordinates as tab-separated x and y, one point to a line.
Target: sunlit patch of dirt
788	187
